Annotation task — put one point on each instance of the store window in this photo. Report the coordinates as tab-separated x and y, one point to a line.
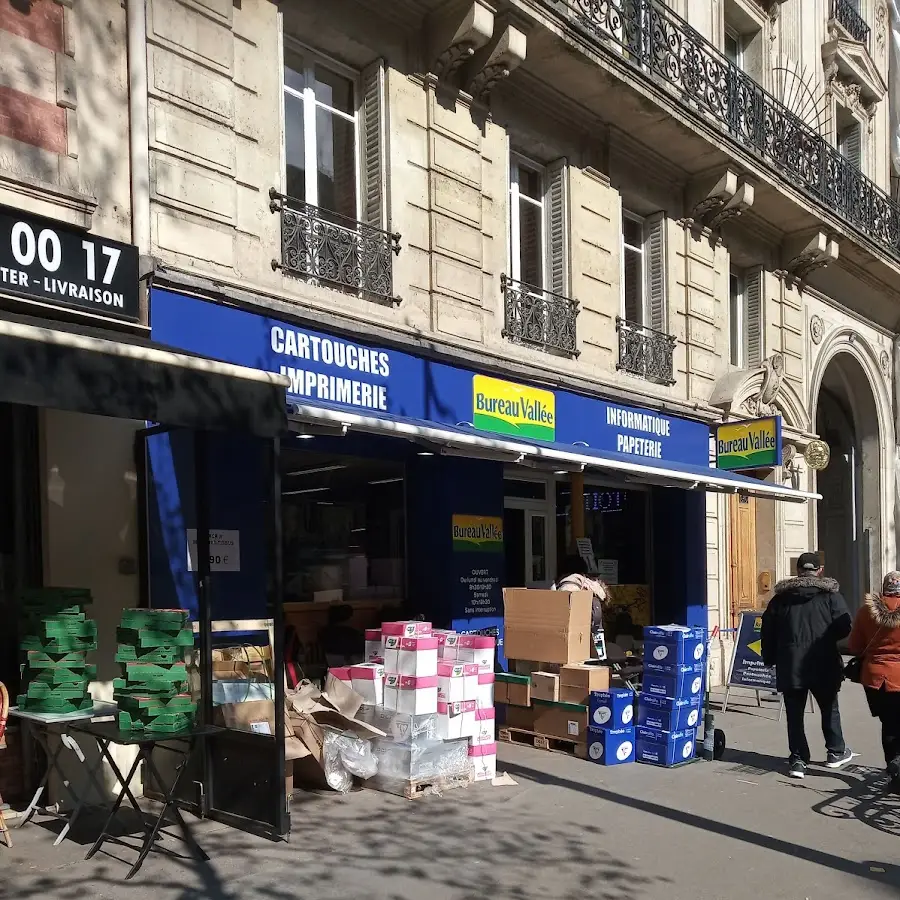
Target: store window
616	520
344	528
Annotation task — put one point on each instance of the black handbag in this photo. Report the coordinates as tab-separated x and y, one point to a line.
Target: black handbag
853	669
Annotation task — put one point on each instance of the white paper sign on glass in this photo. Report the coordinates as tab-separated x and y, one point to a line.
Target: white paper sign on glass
224	550
608	570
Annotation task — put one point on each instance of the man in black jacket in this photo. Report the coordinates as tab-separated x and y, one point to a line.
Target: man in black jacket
800	632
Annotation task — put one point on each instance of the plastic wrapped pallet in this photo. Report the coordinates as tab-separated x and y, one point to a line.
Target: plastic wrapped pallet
421	759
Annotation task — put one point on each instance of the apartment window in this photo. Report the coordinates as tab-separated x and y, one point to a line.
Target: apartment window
745	317
526	222
744	42
734	47
643	270
850	138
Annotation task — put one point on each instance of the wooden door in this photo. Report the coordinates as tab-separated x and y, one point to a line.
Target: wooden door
742	555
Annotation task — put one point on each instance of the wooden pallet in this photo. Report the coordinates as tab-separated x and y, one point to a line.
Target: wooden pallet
542	742
414	788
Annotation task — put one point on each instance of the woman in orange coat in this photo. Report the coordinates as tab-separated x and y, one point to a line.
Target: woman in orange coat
876	638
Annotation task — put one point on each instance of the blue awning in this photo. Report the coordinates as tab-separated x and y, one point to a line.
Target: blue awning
463	440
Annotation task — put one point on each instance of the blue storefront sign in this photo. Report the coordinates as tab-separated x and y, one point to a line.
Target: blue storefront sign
325	369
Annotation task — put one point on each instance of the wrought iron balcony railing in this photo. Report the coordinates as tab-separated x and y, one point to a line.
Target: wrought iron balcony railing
323	246
539	318
664	48
846	14
645	352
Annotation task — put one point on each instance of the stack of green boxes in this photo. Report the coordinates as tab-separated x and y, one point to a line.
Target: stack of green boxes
153	694
56	638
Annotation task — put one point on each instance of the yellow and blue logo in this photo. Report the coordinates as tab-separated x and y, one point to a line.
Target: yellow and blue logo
752	444
513	409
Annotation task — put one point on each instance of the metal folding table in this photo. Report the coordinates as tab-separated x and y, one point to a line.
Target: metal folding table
40	726
106	733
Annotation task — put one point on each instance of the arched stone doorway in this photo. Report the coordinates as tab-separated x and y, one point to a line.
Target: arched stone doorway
849	519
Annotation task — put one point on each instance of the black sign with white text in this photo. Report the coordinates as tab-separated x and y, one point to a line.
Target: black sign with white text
60	265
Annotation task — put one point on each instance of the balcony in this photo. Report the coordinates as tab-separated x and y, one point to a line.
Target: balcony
645	352
538	318
324	247
846	14
666	51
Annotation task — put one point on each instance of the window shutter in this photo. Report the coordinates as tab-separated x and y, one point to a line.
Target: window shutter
851	148
753	297
655	261
557	212
373	150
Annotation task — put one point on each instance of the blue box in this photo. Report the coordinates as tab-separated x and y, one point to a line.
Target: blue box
674	682
673	645
611	746
666	714
611	709
665	748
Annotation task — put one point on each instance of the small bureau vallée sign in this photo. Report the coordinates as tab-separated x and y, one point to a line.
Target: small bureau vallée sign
479	534
515	410
751	444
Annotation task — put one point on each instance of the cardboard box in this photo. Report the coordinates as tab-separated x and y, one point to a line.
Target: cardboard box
484	761
545	686
578	680
515	688
665	748
612	709
547	626
418	656
478	649
485	690
674	644
521	717
368	681
568	721
666	714
611	746
485	727
674	682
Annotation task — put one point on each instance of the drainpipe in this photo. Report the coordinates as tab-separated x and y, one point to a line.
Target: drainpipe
139	134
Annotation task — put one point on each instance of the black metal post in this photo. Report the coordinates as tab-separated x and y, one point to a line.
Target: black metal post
276	612
204	612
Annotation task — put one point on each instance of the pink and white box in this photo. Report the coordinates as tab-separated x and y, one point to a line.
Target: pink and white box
447	643
484	760
391	653
454	720
485	690
485	730
412	628
373	644
418	656
457	681
342	673
367	680
412	694
477	649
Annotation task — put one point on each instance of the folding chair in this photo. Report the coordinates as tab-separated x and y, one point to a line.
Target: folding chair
4	712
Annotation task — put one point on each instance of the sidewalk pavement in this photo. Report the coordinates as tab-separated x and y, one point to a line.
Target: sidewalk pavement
737	829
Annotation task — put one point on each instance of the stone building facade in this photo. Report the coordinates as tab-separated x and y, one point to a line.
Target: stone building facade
684	206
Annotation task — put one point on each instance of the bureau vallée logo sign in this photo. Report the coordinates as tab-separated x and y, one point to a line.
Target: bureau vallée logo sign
751	444
481	534
515	410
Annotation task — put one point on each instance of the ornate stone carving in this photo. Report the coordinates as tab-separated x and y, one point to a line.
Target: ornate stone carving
881	17
885	360
491	65
819	252
763	402
455	40
816	329
791	466
728	198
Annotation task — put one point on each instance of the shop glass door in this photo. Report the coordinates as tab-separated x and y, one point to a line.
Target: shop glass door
528	534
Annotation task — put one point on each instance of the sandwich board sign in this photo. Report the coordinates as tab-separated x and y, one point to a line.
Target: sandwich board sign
747	669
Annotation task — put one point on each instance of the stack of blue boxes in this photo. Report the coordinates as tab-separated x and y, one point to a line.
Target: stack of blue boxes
610	739
670	703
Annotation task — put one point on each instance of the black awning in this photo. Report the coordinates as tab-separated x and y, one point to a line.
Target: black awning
65	366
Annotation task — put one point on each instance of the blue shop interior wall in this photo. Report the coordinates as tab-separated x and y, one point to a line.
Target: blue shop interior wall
678	547
238	497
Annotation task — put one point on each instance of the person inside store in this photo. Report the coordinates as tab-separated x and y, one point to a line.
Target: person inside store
580	579
875	640
801	628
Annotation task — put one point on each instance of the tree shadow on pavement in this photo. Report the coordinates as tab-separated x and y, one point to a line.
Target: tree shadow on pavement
882	872
865	799
470	843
